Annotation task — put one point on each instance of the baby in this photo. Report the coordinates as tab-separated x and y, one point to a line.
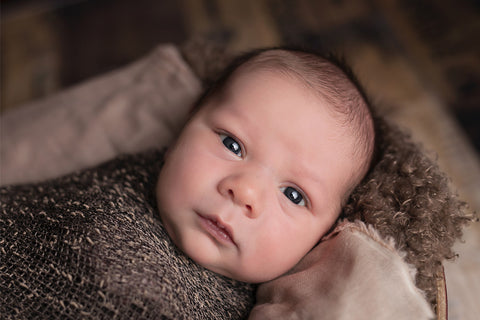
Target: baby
256	177
260	172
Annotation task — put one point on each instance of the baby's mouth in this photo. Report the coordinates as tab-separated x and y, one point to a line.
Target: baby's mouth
217	229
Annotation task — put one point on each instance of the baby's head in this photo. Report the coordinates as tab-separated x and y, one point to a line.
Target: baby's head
260	172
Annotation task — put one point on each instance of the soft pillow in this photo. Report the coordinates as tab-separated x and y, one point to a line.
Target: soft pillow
353	274
128	110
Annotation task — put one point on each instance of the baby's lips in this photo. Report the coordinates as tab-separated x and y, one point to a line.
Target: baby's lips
226	228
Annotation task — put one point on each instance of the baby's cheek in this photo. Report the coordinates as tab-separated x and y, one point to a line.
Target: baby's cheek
266	265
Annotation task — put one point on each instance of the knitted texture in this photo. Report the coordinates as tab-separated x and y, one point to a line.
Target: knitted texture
91	245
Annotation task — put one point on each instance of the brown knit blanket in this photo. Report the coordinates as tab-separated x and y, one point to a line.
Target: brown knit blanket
90	245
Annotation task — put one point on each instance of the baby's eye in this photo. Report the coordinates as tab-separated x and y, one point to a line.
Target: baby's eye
293	195
231	144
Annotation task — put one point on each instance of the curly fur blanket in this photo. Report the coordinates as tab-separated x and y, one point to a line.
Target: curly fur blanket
90	245
407	198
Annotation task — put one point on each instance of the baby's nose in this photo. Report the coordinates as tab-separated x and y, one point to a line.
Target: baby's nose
245	190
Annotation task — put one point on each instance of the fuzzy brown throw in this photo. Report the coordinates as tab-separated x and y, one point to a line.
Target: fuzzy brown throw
406	197
90	245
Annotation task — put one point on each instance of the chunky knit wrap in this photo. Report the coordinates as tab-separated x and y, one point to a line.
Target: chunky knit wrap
91	245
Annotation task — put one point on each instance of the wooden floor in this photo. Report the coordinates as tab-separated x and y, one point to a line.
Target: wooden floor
420	58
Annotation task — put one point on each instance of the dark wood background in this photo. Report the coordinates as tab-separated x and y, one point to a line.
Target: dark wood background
47	45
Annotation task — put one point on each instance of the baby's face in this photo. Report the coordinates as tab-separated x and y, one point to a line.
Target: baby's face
255	178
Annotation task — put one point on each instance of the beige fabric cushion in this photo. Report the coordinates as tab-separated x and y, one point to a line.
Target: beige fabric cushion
128	110
353	274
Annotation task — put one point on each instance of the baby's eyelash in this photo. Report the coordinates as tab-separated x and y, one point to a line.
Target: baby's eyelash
232	144
295	195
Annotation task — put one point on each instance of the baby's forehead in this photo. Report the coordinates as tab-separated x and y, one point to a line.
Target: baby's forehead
271	98
295	80
330	87
273	79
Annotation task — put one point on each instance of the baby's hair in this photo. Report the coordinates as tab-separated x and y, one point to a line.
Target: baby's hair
327	76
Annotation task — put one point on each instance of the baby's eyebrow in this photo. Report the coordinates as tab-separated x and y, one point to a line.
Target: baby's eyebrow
303	172
302	166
